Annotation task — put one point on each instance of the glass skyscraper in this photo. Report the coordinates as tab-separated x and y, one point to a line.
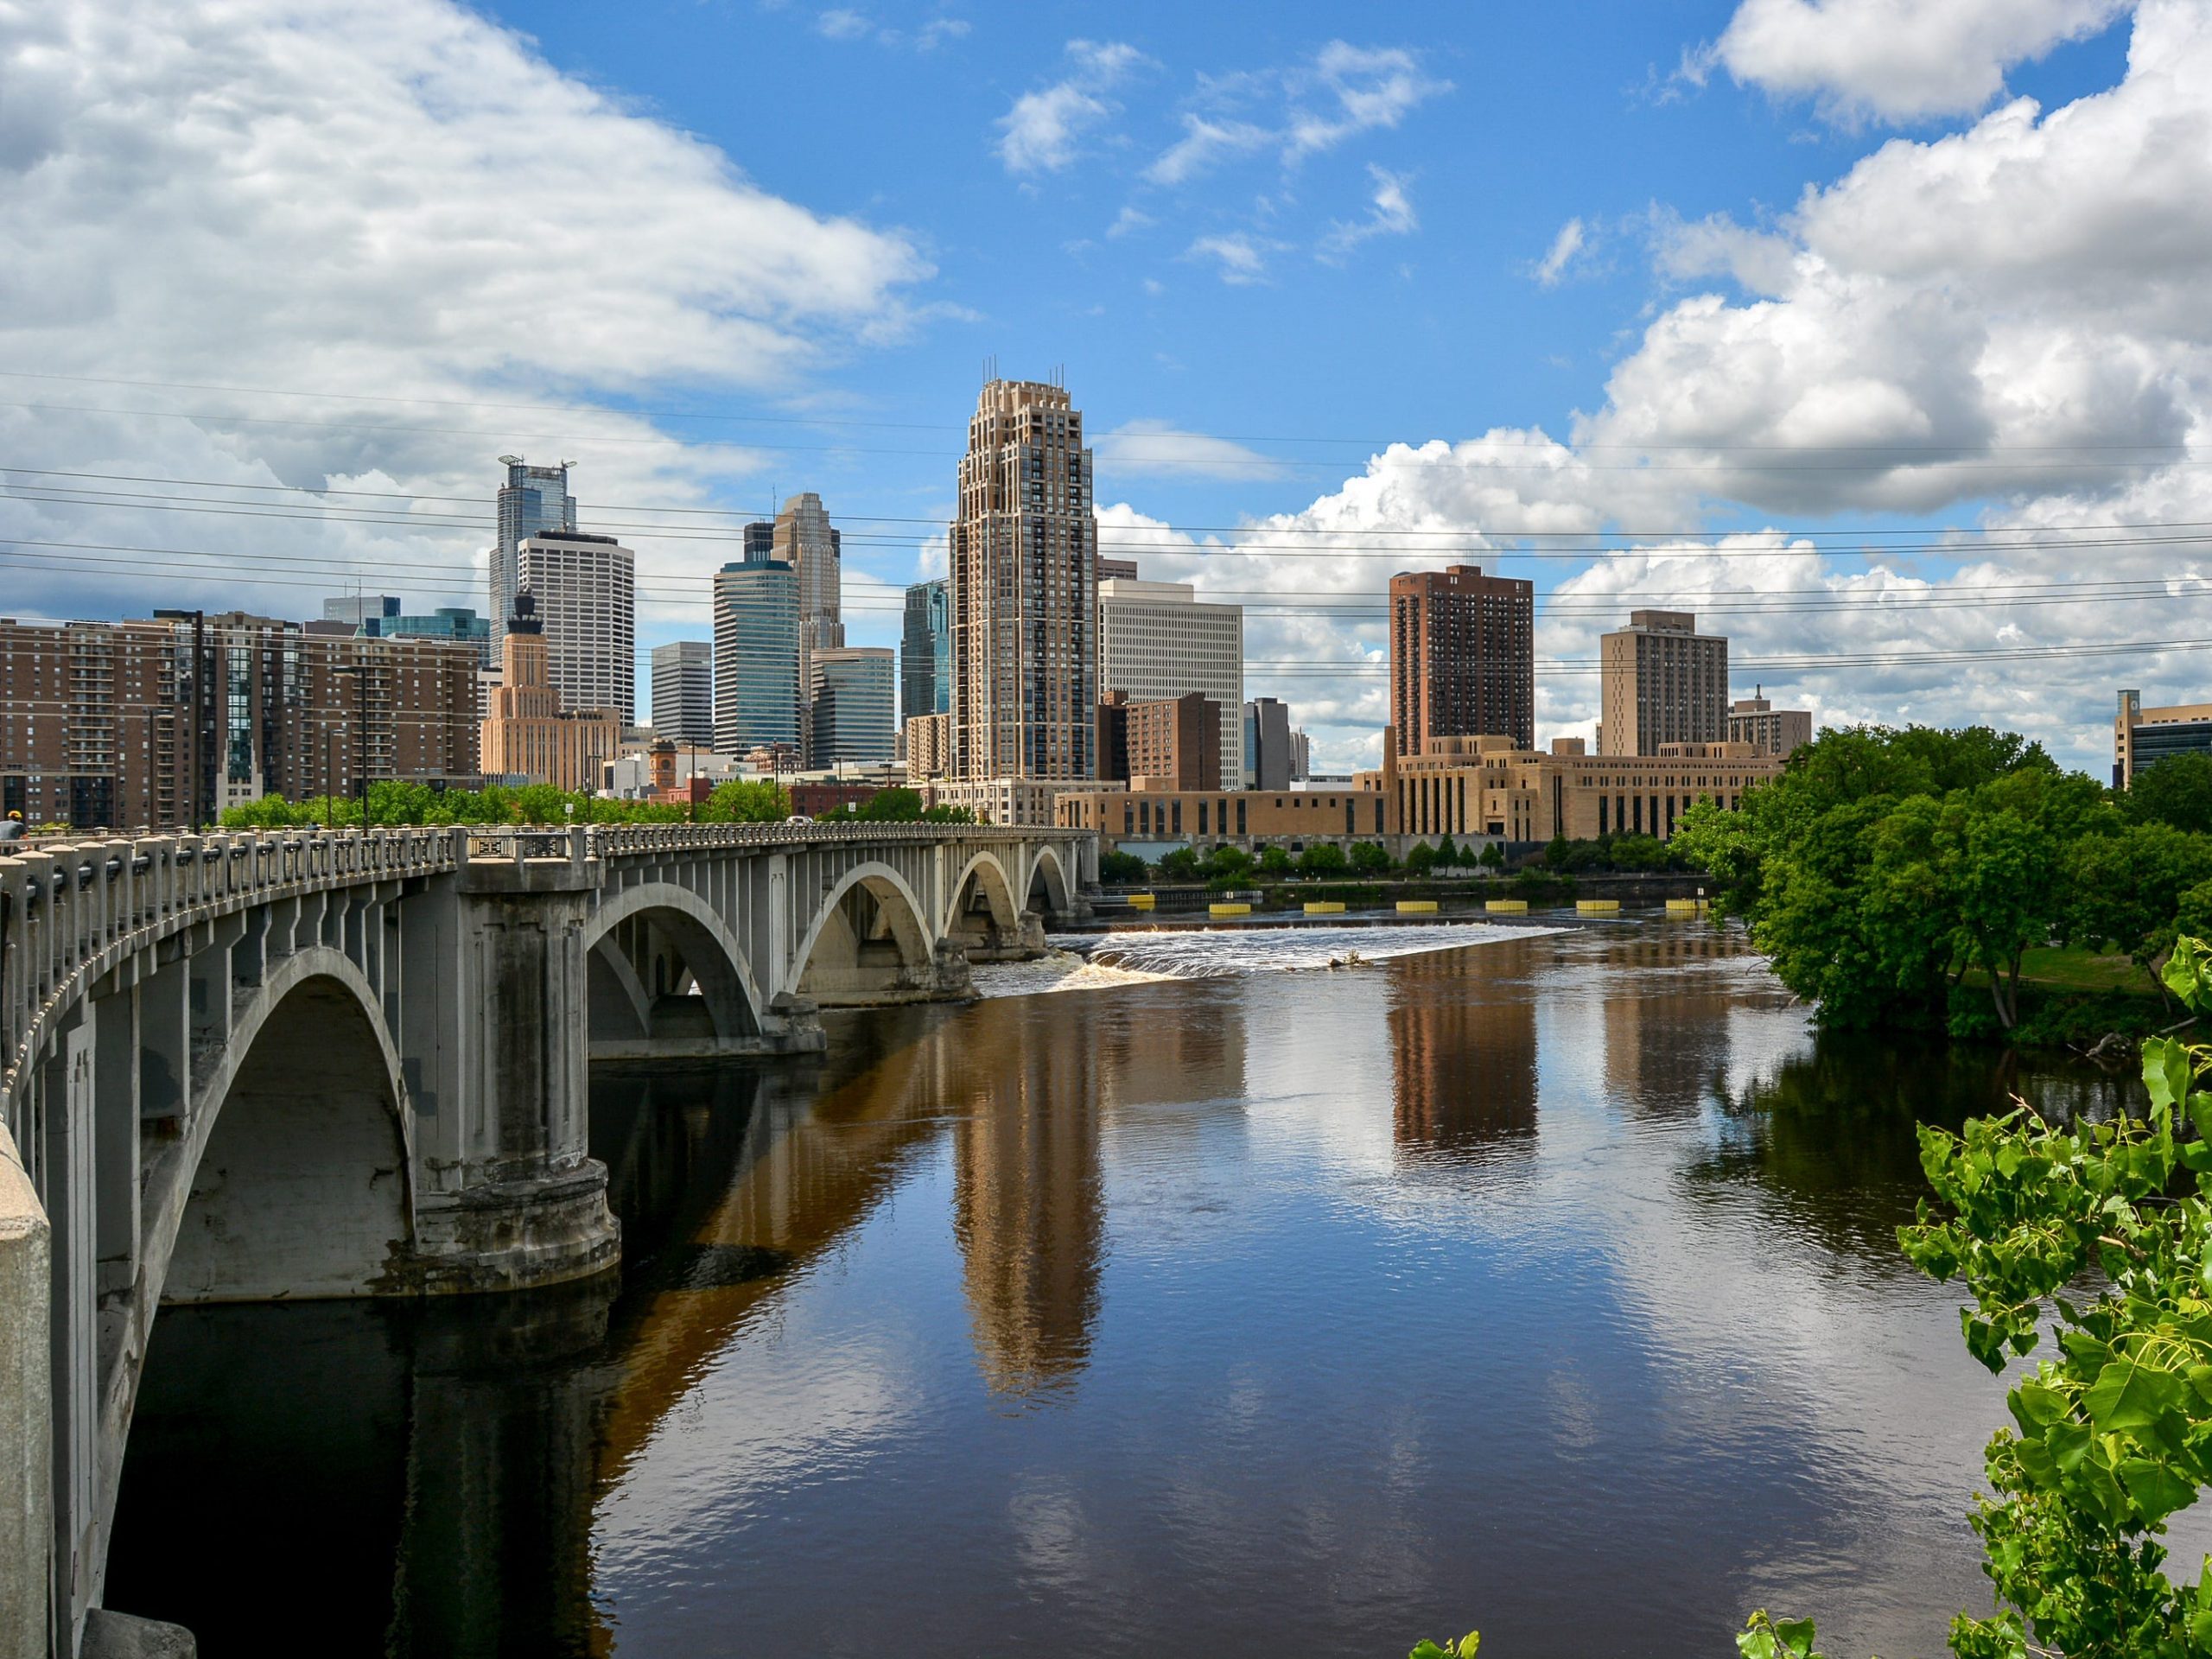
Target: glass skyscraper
848	704
533	499
925	652
756	654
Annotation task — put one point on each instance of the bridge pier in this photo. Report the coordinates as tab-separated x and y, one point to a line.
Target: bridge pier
506	1196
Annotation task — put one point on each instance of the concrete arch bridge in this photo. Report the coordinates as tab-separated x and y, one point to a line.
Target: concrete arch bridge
298	1065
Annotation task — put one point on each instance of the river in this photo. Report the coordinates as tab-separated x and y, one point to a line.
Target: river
1190	1298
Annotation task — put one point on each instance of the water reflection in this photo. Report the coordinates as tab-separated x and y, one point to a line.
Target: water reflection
1667	1031
1028	1207
1135	1311
1463	1057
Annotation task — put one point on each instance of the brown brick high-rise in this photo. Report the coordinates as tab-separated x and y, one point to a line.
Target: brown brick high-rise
1463	657
98	719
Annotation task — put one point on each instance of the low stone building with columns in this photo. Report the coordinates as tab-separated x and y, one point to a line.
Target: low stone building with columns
1484	786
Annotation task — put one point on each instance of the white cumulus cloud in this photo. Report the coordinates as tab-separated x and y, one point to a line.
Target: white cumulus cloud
404	214
1897	60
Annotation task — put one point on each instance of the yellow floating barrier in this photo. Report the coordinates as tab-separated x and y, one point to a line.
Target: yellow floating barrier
1324	907
1142	900
1415	907
1506	906
1598	906
1686	906
1229	910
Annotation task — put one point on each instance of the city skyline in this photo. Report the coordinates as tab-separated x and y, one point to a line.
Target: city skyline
1609	354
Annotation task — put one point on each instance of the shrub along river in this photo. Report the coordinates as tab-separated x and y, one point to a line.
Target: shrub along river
1183	1297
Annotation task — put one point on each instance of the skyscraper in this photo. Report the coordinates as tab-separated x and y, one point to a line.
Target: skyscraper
533	498
683	692
1023	586
1661	682
756	652
849	698
804	541
586	589
925	652
360	609
1157	642
1462	657
1267	753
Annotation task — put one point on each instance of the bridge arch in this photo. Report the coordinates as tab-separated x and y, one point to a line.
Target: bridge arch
1048	879
985	878
868	942
295	1181
643	1000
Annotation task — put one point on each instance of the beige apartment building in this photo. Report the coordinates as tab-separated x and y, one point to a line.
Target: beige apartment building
929	747
1768	730
530	733
1661	682
2142	737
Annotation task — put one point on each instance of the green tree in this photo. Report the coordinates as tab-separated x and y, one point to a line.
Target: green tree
1181	865
1493	856
2125	889
1274	860
1372	858
1420	859
1228	865
747	800
1323	858
2176	792
1119	869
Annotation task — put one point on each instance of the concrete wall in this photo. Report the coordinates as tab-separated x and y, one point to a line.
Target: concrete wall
26	1420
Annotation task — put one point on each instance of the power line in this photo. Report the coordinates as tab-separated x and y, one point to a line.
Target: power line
1364	547
1918	447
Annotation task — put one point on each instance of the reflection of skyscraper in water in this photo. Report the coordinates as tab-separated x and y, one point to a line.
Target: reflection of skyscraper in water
1028	1200
1666	1032
1197	1059
1462	1056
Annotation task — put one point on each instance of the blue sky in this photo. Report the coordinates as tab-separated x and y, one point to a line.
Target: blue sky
1697	271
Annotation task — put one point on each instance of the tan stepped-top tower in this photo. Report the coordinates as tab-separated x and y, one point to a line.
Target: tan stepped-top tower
1024	592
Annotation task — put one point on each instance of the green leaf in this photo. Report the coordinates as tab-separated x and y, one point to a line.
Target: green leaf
2166	1072
2038	1405
1469	1643
2131	1395
1428	1650
2158	1490
2068	1443
1795	1636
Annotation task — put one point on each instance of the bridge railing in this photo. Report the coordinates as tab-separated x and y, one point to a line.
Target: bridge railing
620	839
64	905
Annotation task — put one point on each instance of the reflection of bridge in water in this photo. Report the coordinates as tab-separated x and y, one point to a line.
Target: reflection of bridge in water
511	1424
246	1067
